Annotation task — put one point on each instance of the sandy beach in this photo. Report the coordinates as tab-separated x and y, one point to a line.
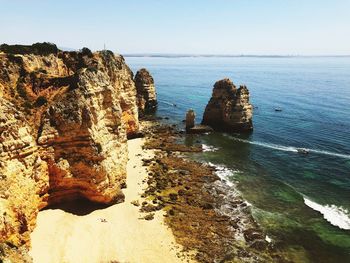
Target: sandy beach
114	234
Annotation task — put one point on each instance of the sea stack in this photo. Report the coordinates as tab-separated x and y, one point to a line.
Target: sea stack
146	92
229	108
190	119
191	126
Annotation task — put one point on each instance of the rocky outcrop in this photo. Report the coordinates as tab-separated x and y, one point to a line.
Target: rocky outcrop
190	119
65	118
229	108
146	92
191	126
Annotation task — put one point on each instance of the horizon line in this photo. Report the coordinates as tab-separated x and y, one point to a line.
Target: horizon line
180	55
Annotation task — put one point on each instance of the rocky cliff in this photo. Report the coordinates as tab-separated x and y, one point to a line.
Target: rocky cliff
65	118
229	108
146	92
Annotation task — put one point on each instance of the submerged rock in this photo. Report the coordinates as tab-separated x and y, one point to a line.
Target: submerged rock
207	216
229	108
146	92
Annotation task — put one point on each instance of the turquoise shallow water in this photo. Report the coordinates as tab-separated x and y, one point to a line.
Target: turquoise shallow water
303	202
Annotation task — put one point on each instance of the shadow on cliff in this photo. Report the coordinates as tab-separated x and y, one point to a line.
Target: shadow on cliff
79	207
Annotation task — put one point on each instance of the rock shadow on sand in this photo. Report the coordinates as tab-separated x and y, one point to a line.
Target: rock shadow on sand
79	207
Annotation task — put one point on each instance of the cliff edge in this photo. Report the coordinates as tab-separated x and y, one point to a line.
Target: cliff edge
65	118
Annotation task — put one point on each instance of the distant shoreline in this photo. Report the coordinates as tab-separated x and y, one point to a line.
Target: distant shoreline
183	55
231	56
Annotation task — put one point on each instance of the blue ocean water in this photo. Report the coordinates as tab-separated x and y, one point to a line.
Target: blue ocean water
302	201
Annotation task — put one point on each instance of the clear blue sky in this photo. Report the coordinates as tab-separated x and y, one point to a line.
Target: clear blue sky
304	27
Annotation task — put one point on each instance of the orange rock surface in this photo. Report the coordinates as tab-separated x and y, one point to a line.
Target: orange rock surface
65	118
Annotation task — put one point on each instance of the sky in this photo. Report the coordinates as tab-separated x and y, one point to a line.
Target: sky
235	27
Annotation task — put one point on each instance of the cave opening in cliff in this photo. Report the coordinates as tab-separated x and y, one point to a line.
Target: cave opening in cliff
80	206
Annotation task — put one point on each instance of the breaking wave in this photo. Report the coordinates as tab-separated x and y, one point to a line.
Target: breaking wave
337	216
209	148
223	172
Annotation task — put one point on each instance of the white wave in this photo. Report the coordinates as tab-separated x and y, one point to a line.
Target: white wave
268	239
291	148
223	172
209	148
337	216
248	204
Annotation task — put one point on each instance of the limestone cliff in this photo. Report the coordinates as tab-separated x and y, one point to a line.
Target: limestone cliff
229	108
23	180
146	92
65	118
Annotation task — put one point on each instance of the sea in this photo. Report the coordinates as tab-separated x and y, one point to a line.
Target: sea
302	201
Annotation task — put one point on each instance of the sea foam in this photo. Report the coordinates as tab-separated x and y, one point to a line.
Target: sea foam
337	216
223	172
209	148
268	239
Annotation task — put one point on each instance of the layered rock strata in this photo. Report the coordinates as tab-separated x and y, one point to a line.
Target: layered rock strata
146	92
65	118
229	108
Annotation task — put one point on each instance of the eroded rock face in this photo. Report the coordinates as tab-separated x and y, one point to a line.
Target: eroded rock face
146	92
85	141
64	122
229	108
24	179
